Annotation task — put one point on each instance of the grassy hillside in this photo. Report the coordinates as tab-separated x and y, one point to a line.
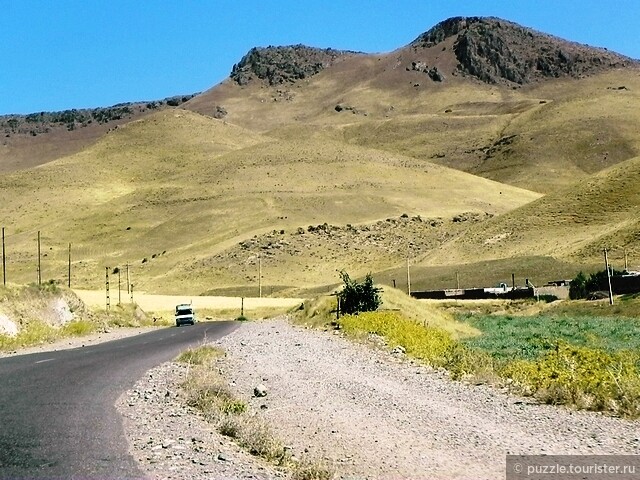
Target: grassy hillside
573	224
169	192
540	136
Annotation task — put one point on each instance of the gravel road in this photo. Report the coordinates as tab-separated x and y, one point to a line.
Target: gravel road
370	414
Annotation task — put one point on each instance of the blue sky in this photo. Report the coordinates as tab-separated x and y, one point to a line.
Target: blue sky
89	53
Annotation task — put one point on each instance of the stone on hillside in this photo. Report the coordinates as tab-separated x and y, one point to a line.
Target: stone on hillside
219	112
436	75
399	350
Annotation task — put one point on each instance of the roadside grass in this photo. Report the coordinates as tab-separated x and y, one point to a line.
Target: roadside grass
35	311
38	333
321	312
583	377
207	390
200	356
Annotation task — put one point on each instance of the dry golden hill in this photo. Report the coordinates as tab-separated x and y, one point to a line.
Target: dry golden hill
170	191
570	226
540	137
482	95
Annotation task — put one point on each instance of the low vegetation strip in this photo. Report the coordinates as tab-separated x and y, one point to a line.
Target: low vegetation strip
582	360
40	332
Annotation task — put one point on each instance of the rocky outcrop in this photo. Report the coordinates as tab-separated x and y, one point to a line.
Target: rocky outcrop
497	51
433	72
279	65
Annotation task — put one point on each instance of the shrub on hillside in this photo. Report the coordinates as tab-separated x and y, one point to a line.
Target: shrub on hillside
358	296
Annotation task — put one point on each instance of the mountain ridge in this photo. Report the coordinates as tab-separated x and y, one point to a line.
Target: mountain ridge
493	50
484	49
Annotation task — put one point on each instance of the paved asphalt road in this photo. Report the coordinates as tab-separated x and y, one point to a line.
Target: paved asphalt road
57	414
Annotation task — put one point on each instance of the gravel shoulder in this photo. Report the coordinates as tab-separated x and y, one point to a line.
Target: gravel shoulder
368	413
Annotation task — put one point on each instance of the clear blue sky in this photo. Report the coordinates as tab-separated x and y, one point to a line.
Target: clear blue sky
89	53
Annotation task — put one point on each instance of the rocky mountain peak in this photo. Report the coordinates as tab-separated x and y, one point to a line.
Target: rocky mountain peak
499	51
278	65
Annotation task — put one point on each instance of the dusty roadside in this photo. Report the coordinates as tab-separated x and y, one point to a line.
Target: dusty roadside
369	414
77	342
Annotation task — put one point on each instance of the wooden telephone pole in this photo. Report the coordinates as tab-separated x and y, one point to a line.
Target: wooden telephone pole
408	277
107	286
69	283
39	265
606	264
4	262
259	276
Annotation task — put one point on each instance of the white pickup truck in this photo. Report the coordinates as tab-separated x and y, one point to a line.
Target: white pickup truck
185	314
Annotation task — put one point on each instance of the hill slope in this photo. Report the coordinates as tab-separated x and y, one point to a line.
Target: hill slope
482	95
327	160
573	224
38	138
176	187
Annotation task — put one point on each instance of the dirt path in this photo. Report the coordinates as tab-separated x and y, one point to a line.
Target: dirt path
156	303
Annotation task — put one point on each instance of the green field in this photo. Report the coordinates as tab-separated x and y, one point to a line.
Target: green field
529	337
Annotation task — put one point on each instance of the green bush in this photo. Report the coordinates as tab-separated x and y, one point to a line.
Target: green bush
358	297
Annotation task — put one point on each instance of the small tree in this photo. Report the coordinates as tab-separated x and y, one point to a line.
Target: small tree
358	297
578	287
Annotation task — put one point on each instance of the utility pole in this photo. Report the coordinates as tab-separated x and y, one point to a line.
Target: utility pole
69	284
39	265
606	264
4	262
626	264
119	286
128	283
107	285
408	278
260	276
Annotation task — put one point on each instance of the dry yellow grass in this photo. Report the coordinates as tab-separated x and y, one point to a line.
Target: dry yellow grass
320	310
175	188
574	223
